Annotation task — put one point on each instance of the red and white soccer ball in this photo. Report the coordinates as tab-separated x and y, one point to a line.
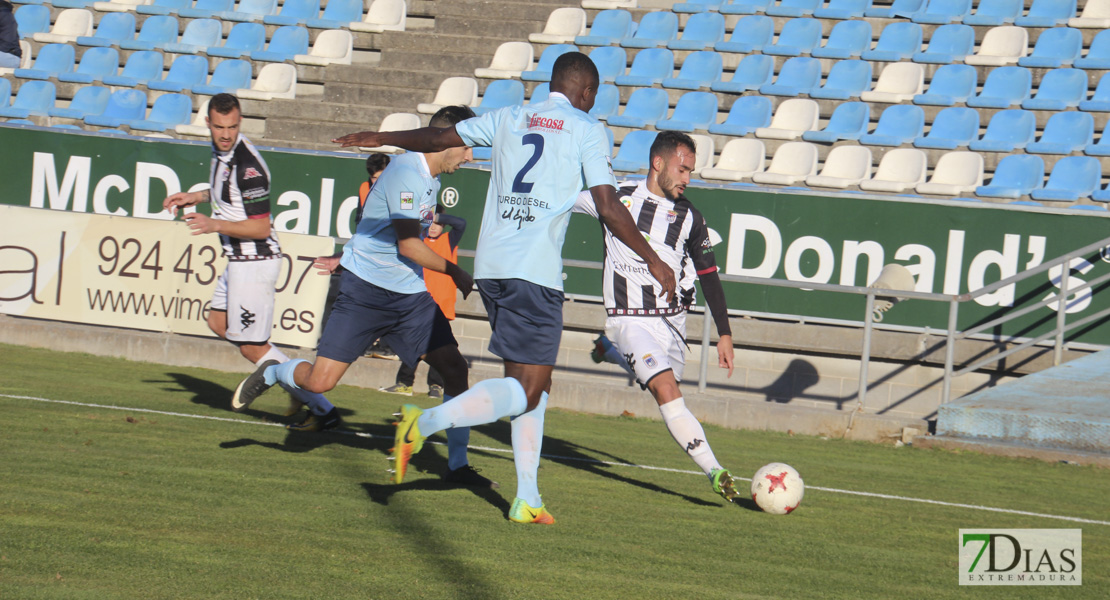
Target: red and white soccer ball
777	488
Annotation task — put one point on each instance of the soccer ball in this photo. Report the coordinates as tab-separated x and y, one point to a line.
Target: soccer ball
777	488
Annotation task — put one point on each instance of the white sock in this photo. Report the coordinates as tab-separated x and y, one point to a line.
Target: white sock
527	440
686	430
272	354
317	403
485	402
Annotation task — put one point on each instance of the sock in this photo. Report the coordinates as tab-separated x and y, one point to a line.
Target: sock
283	375
272	354
612	355
689	434
457	440
486	402
527	441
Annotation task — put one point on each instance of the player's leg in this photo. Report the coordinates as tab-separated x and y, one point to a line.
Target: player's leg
447	361
402	383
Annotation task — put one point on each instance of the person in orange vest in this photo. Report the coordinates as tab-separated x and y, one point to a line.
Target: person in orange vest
442	289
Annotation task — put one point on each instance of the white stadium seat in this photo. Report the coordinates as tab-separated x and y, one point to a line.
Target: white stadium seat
452	91
509	61
792	118
1001	46
956	173
845	166
563	25
899	170
71	24
332	47
395	122
792	163
705	148
199	126
119	5
277	80
740	158
384	15
899	82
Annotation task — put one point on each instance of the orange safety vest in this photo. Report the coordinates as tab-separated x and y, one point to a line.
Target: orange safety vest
440	285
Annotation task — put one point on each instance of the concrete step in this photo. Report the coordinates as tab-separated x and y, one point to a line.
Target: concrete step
319	110
382	76
402	98
463	64
504	30
496	10
442	42
300	132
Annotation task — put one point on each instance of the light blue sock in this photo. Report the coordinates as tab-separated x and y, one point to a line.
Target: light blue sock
283	375
457	440
486	402
612	355
527	442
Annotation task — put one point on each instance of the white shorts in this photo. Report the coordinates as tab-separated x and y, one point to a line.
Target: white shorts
651	345
247	287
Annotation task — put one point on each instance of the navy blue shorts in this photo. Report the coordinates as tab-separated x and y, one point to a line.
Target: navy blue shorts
527	320
412	324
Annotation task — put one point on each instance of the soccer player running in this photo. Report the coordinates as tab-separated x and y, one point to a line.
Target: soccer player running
649	338
542	155
239	190
382	292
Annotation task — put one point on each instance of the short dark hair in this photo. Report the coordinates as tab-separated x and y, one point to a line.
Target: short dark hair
223	104
376	162
449	115
570	64
667	142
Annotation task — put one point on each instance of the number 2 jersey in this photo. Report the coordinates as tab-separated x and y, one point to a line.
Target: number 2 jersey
240	190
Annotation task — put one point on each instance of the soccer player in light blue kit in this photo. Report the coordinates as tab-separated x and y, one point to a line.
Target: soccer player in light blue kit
543	154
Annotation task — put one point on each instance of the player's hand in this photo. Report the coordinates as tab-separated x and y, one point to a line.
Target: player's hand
201	224
665	276
181	199
326	264
724	353
462	279
367	139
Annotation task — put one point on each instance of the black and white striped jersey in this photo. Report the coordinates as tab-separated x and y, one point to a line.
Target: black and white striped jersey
240	183
678	234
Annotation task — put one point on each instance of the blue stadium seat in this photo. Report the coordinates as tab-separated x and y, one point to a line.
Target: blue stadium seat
951	128
843	9
287	42
898	41
200	34
251	10
633	153
610	61
899	124
700	70
995	12
1007	131
1101	195
792	8
1065	132
32	19
33	98
96	64
294	12
205	9
1015	176
1055	47
747	114
156	32
797	76
1098	54
744	7
72	3
848	39
898	9
753	71
186	72
1004	87
337	15
798	36
113	28
697	6
543	90
123	106
1072	178
694	111
87	101
244	38
1060	89
609	27
163	7
542	72
939	12
1100	101
500	93
5	92
51	61
751	34
228	76
847	79
1047	13
702	31
650	67
654	30
645	106
1102	148
951	84
948	44
169	111
606	103
849	121
141	67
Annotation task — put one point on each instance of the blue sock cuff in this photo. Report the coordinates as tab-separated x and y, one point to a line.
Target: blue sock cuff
284	373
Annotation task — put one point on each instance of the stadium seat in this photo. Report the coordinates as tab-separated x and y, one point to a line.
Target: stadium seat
644	107
337	14
700	70
1095	15
903	9
70	24
453	91
704	149
951	84
96	63
747	114
847	79
1005	87
163	7
294	12
543	90
32	19
5	92
286	43
542	70
650	67
899	124
1072	178
563	25
1001	46
993	13
694	111
197	127
956	173
1101	195
633	153
51	61
123	106
1065	132
1100	101
845	166
186	72
119	6
156	32
200	34
244	38
274	81
383	15
141	67
798	76
500	93
798	36
332	47
739	159
792	8
33	98
792	163
251	10
87	101
509	61
1055	47
611	61
1060	89
1047	13
25	61
206	9
744	7
697	6
898	41
227	77
792	118
654	30
899	82
751	34
948	44
112	29
939	12
1015	176
396	122
609	27
848	39
843	9
951	128
849	121
702	31
606	103
1007	131
169	111
753	71
71	3
1098	54
899	170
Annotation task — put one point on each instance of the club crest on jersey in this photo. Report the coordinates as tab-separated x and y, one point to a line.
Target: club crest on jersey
649	360
672	216
538	122
626	201
406	201
251	173
427	215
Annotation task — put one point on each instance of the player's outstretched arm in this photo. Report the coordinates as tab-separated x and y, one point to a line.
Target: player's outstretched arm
425	139
184	199
613	215
413	248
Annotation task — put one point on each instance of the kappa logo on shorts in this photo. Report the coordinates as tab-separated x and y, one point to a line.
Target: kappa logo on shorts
407	201
246	317
631	360
251	173
649	360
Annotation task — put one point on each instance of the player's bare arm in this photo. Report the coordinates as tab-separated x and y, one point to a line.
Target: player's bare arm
613	215
725	353
326	265
425	139
413	248
184	199
250	229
